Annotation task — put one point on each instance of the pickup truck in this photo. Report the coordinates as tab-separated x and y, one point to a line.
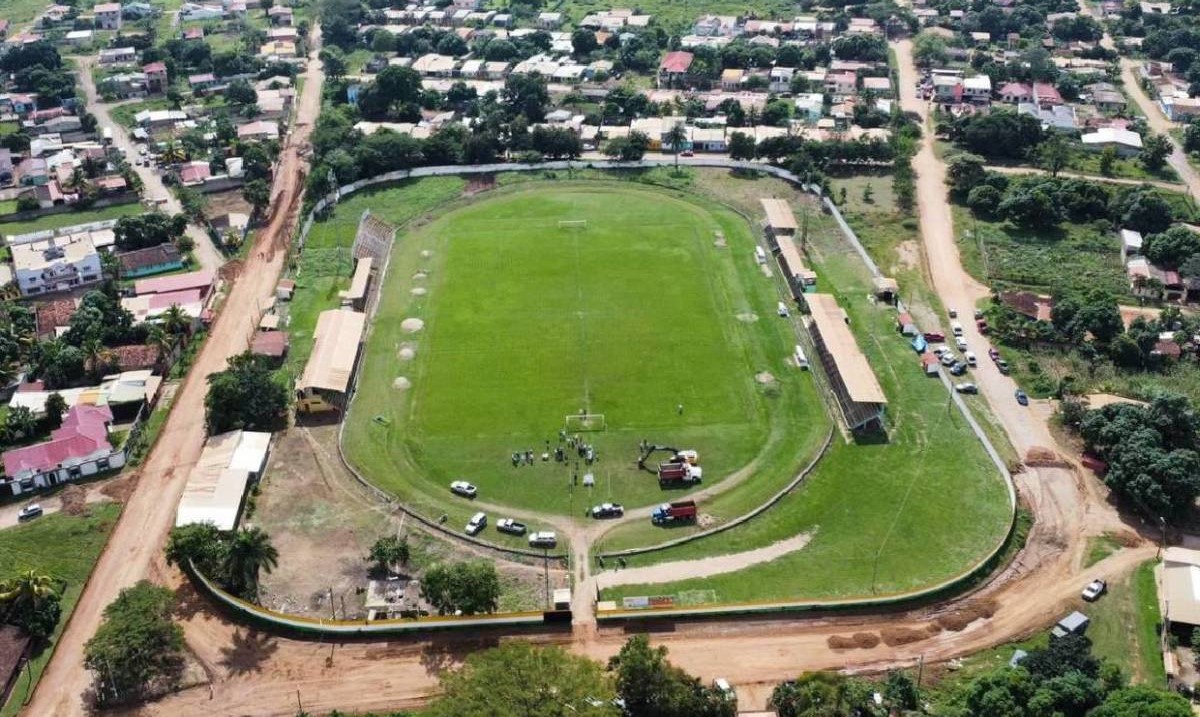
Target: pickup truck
510	526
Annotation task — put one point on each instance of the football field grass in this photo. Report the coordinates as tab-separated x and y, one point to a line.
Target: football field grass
654	315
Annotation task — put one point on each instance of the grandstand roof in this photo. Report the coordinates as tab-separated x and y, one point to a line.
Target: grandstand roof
779	214
358	284
337	337
852	365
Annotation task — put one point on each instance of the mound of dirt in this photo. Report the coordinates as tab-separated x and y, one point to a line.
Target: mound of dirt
418	291
747	317
74	500
957	620
401	383
406	353
1039	456
857	641
896	636
412	326
764	377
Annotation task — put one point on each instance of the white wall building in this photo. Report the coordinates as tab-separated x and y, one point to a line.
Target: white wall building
56	264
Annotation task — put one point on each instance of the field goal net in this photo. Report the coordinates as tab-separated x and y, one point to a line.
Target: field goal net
573	224
581	422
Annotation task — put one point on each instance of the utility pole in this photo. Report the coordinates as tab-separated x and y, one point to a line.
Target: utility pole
546	573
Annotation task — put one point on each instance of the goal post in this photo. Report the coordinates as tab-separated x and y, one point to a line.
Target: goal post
584	422
573	224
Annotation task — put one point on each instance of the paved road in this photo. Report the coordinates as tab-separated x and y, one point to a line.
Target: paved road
208	256
134	550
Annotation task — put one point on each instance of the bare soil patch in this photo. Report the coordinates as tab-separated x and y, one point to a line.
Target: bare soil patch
896	636
73	499
958	619
857	641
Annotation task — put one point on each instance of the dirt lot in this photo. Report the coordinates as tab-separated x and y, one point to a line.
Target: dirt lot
225	202
323	523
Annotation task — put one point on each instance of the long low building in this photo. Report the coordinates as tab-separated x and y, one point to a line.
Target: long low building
780	226
327	375
216	487
858	393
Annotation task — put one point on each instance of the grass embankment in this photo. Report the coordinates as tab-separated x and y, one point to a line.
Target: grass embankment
887	517
65	548
1124	626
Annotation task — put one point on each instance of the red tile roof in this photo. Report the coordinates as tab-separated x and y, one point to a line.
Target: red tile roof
154	68
269	343
53	314
676	62
84	432
134	357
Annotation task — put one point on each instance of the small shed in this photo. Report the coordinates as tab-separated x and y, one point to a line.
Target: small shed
1076	623
284	289
886	289
930	363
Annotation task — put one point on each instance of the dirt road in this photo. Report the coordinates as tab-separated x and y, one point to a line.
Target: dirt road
134	550
701	567
206	254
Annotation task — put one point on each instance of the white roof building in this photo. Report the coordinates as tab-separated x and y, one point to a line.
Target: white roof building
216	485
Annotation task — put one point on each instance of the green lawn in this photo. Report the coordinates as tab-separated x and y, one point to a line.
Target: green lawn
124	114
627	318
68	219
65	548
676	16
1124	626
1100	547
886	517
20	12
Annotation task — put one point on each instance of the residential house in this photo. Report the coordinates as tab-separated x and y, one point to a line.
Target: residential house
275	50
150	260
810	106
731	79
7	170
880	86
156	77
1151	282
550	20
259	130
779	79
79	38
1106	97
1046	95
158	119
118	56
202	82
79	447
1125	142
56	264
435	65
193	12
32	172
108	16
51	195
1180	109
281	16
1058	117
195	173
841	84
947	89
1035	307
674	70
977	89
1131	243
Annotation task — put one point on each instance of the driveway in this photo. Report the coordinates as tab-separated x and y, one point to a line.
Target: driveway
208	256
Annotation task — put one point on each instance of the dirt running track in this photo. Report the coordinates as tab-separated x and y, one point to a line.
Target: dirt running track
262	675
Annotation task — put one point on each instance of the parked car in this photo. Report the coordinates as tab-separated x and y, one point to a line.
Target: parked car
1002	365
722	686
932	336
961	343
1022	397
477	523
29	512
956	328
948	359
510	526
1094	590
966	388
782	310
978	314
543	539
958	369
687	153
463	488
970	358
608	510
953	313
993	354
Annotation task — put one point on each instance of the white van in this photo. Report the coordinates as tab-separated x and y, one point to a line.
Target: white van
956	328
544	539
801	359
782	310
970	357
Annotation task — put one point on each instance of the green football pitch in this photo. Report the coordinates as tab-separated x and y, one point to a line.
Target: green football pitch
641	307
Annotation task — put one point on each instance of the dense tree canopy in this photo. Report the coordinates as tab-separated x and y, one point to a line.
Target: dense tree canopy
136	644
470	587
652	687
245	395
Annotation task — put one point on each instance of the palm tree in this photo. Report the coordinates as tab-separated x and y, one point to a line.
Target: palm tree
96	355
675	137
175	320
27	591
250	552
161	340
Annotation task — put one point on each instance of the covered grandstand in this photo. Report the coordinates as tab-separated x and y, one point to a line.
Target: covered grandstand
858	393
780	227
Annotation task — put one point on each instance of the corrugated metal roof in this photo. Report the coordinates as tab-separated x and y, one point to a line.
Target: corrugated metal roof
331	364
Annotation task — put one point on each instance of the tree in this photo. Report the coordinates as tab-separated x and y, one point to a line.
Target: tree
583	42
55	408
19	423
1191	136
741	146
240	92
395	93
333	60
1141	209
518	679
248	553
245	395
964	172
258	193
31	602
175	320
150	229
1032	208
1155	150
929	50
1108	158
998	134
985	200
388	551
629	148
1142	701
1054	154
675	138
136	645
650	685
526	95
199	543
470	587
1173	247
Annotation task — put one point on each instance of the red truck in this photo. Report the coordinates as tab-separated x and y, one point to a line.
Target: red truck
677	473
679	511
